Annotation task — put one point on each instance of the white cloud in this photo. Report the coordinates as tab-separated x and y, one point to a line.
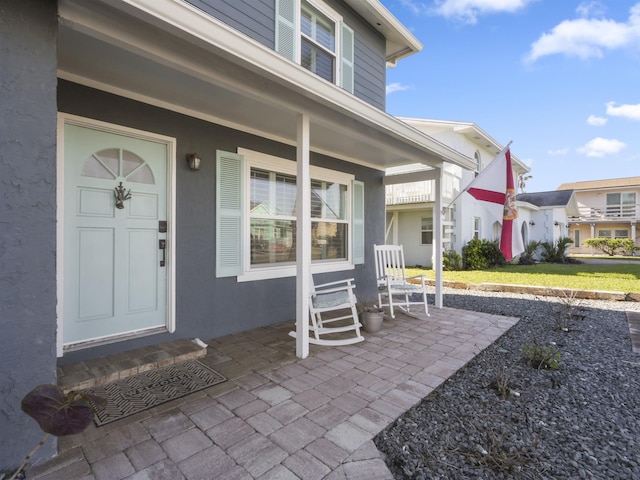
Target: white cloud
396	87
416	7
591	9
599	147
596	121
469	10
559	151
587	37
632	112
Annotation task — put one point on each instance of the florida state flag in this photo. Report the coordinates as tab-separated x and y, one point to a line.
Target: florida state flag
494	188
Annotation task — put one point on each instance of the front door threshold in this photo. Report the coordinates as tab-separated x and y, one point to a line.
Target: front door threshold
98	371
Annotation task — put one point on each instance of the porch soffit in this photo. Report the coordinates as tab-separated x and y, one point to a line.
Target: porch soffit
132	53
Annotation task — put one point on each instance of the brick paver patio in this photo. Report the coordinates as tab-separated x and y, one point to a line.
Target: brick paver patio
280	417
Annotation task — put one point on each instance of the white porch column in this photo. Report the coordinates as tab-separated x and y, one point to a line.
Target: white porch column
437	237
303	237
593	234
633	232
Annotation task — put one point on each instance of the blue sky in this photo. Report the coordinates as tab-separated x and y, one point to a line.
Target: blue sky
559	78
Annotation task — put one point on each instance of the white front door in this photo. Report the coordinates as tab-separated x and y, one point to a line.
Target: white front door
115	224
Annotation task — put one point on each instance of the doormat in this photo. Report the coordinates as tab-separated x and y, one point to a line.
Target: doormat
149	389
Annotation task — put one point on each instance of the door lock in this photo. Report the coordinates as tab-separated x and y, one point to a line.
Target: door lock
162	245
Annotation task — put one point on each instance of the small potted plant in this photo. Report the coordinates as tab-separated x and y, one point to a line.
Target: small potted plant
371	317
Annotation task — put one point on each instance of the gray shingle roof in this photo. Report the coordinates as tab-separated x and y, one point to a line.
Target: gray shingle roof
553	198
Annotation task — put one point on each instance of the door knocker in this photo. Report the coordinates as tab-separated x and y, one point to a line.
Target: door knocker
121	196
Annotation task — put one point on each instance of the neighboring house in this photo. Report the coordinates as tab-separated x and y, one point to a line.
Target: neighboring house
606	208
548	214
112	239
411	205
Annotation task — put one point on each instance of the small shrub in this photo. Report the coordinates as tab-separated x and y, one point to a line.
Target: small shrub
497	454
451	260
503	381
530	249
482	254
568	310
612	246
542	357
555	252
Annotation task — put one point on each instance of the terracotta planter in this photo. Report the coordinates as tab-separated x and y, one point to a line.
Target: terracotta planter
372	321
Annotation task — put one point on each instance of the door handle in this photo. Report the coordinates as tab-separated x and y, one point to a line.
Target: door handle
162	245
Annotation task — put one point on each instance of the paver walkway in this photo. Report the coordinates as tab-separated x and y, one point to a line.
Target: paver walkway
280	417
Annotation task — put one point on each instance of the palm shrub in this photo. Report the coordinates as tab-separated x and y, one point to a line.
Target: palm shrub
530	249
479	254
555	252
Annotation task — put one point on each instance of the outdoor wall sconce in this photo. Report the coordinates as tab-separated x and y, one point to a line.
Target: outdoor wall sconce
194	161
532	223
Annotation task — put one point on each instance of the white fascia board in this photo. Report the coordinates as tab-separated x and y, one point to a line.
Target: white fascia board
528	206
400	41
473	132
421	176
196	23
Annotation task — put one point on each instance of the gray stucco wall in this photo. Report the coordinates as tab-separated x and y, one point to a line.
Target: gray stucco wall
256	19
27	218
207	306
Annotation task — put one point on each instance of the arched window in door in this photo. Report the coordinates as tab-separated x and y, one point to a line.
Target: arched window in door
112	163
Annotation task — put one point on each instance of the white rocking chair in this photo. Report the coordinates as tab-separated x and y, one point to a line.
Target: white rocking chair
393	284
333	297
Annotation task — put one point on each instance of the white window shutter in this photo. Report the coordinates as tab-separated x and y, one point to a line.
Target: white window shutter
286	30
229	214
357	221
347	58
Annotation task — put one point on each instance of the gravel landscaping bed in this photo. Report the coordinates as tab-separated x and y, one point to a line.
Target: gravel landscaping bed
500	417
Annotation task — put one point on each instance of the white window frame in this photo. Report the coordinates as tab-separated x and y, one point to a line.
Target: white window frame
294	25
477	228
426	230
272	163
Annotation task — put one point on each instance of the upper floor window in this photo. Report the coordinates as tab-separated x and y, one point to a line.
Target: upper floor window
621	204
314	36
478	165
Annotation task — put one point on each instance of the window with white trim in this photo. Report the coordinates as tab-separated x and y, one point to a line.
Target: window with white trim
478	165
476	227
426	231
267	210
313	35
621	204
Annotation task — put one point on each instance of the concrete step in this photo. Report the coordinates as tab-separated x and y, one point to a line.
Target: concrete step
98	371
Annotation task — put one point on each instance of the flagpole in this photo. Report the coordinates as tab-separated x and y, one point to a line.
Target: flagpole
467	187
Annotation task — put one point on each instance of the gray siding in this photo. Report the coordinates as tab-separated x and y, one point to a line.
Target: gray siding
27	219
256	19
209	307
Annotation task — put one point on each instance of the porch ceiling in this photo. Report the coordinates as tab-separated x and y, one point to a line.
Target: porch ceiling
187	62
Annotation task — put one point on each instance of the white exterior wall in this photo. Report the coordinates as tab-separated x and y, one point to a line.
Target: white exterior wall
410	237
466	208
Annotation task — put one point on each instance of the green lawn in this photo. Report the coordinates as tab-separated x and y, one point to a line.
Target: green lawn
615	278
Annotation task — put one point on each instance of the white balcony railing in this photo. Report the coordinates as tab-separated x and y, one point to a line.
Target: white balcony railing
619	213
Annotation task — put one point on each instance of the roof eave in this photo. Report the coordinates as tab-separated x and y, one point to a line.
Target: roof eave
400	42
